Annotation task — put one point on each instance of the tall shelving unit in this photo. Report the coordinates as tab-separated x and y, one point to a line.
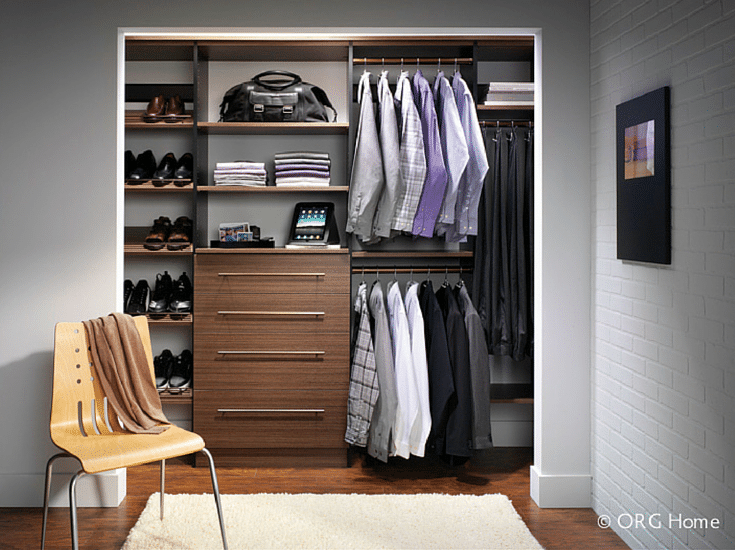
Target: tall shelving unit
334	64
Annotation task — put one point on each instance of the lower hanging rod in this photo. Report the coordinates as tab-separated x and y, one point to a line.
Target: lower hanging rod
402	60
422	269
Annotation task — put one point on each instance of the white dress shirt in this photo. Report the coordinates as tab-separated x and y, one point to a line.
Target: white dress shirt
422	424
408	398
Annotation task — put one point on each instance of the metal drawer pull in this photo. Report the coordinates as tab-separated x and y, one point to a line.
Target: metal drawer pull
300	313
271	352
285	411
271	274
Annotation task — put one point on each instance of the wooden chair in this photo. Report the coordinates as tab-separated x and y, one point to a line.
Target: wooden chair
82	426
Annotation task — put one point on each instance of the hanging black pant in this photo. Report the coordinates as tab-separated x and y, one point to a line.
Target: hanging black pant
502	290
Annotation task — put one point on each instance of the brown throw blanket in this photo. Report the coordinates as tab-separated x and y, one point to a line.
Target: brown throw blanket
123	371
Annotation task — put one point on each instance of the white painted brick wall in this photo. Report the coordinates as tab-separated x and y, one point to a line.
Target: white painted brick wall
664	337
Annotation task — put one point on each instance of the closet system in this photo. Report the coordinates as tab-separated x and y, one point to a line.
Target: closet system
270	329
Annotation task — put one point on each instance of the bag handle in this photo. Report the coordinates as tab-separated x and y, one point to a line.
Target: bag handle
276	85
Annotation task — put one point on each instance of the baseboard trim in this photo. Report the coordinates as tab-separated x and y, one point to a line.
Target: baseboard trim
561	491
105	490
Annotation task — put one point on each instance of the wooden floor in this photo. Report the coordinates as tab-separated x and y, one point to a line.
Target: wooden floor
502	470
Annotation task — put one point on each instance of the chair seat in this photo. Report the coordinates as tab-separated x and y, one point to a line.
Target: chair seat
100	453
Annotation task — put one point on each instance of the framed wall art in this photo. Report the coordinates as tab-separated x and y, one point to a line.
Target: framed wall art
643	165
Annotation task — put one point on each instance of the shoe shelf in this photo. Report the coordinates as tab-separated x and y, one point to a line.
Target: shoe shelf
134	120
134	244
176	396
168	186
277	128
169	318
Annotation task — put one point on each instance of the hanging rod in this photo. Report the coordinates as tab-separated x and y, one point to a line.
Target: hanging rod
387	270
403	60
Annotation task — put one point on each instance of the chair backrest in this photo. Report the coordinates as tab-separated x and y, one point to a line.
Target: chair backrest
79	405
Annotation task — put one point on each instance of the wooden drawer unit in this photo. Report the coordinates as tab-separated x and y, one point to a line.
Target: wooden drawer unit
267	313
258	419
279	360
272	356
256	273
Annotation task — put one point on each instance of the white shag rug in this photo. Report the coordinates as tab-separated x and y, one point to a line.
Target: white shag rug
286	521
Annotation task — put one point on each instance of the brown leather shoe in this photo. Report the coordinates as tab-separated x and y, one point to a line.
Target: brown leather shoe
159	234
155	110
174	107
181	234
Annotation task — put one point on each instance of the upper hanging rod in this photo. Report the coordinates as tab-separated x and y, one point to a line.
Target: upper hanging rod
505	123
401	60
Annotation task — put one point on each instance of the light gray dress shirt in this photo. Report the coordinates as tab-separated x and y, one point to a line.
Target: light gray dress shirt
366	182
390	148
422	425
381	426
454	148
412	157
472	181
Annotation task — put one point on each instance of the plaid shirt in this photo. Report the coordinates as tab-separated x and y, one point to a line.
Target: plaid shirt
412	157
363	378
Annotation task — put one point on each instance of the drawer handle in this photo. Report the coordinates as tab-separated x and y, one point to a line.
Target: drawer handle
282	411
271	274
271	352
287	313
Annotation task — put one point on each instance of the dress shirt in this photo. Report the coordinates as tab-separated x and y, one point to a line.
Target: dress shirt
381	425
436	172
390	148
459	423
364	388
473	178
366	182
406	390
454	148
441	381
479	370
422	425
412	157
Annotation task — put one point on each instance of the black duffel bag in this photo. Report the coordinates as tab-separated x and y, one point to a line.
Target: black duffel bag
285	98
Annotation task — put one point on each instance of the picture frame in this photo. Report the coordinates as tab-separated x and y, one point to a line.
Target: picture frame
643	169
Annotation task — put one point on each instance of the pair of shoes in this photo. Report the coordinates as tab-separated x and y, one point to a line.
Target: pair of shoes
144	168
171	296
173	373
160	109
137	297
174	237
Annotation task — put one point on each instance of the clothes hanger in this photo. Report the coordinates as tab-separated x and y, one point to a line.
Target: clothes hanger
446	277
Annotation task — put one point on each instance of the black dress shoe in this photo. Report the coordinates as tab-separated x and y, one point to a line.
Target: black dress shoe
161	294
180	378
163	365
140	298
181	296
129	163
165	170
184	170
145	165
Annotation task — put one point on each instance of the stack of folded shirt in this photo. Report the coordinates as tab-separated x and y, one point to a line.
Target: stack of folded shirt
302	168
240	173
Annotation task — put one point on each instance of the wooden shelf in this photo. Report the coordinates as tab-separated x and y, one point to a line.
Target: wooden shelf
273	127
506	107
272	189
134	121
169	318
518	394
148	187
135	237
204	250
182	397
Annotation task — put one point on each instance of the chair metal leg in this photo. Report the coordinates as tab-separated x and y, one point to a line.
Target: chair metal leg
215	488
73	509
163	483
47	493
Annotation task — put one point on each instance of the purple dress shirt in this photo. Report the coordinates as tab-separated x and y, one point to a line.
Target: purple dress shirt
432	195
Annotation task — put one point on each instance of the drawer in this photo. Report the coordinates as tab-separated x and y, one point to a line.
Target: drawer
272	273
275	361
255	419
263	313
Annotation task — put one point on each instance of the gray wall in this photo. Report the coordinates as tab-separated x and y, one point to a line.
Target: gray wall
664	337
58	198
